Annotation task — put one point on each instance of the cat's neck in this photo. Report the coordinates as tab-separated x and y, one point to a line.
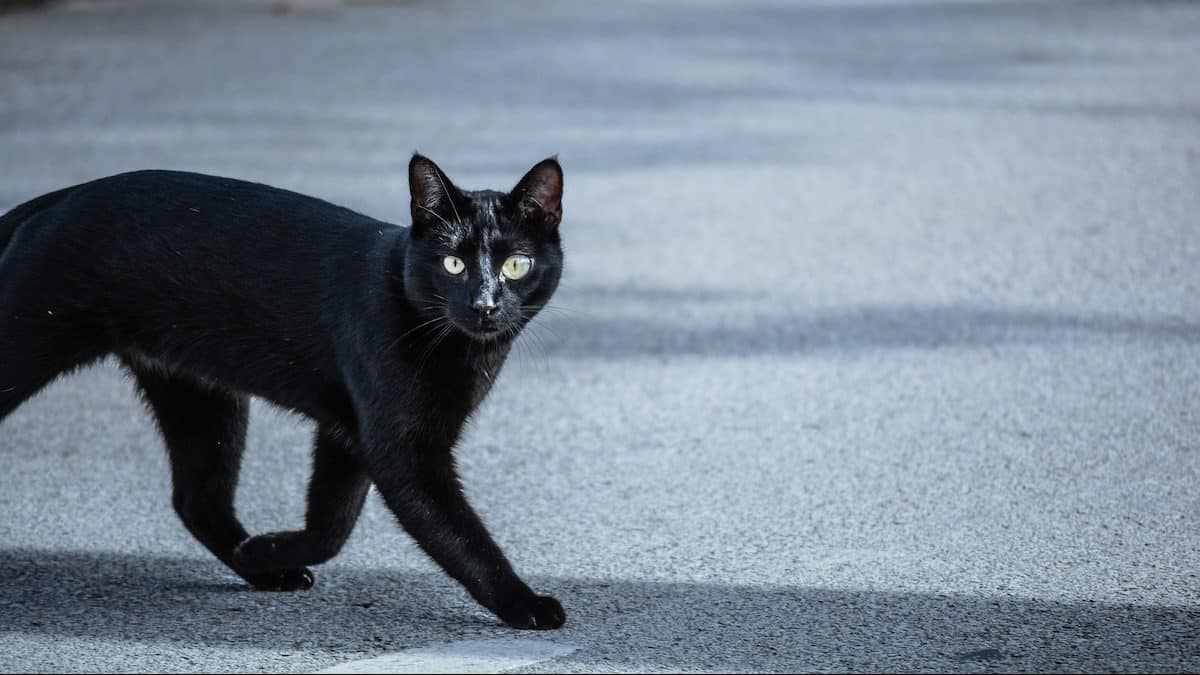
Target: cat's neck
483	351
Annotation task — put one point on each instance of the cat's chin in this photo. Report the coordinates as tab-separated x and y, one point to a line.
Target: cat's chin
498	334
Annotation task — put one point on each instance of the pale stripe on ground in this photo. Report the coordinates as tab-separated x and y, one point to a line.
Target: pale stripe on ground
467	656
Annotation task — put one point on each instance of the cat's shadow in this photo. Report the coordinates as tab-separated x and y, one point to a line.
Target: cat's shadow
187	602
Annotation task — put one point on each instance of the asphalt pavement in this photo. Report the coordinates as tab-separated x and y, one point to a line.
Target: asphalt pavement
879	344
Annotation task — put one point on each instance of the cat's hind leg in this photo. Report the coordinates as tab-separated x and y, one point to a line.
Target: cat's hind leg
36	346
335	498
205	432
42	332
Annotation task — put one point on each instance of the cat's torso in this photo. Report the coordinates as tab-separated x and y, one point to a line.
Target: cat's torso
259	289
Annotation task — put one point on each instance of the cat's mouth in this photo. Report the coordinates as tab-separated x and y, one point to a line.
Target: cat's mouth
483	330
486	336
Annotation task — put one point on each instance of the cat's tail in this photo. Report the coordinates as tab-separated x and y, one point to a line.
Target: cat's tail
9	222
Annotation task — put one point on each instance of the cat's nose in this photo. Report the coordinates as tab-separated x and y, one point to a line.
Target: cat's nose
484	306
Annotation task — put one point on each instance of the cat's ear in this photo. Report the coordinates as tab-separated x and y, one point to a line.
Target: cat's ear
433	195
538	196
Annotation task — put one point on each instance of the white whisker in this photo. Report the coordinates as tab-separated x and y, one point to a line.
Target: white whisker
438	174
435	214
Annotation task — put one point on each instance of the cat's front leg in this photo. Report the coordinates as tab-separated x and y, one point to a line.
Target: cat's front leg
418	482
335	498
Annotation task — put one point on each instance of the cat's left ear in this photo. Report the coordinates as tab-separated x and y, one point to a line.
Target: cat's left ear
538	196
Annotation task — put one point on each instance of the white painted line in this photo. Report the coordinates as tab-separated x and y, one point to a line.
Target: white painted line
467	656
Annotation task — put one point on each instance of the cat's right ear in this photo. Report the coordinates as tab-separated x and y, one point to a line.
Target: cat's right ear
433	195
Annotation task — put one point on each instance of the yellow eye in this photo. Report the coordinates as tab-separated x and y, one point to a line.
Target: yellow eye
453	265
517	266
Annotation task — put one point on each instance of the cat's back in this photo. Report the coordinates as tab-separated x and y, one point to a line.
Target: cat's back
151	237
177	219
178	199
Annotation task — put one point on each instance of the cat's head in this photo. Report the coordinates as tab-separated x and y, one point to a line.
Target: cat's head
485	261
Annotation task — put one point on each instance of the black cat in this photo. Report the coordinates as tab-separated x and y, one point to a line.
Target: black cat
211	289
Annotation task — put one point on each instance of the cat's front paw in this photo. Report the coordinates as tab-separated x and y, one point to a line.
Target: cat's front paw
533	612
256	554
281	580
256	560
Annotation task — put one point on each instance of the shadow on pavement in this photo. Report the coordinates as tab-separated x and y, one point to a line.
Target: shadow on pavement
703	327
708	625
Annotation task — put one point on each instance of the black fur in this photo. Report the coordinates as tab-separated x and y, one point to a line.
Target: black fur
211	289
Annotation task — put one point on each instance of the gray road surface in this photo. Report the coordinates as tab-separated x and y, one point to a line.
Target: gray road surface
883	347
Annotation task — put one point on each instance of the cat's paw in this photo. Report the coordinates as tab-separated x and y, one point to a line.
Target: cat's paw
256	560
534	612
256	554
281	580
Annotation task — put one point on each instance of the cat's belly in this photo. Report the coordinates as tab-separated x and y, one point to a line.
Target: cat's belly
290	384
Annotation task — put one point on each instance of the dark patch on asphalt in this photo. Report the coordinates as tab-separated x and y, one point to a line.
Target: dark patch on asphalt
980	655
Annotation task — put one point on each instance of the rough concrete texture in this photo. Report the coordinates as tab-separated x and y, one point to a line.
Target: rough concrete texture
879	348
